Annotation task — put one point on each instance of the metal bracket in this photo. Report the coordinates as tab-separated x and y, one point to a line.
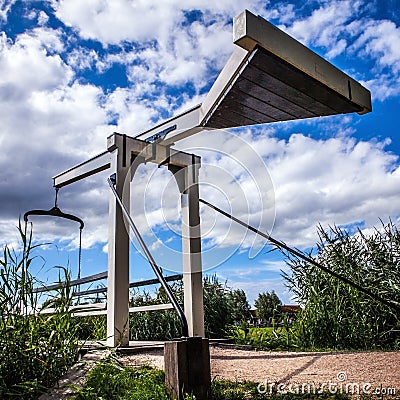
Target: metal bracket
113	179
159	136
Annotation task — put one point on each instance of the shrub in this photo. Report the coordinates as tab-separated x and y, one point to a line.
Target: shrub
92	327
217	308
284	337
155	325
240	307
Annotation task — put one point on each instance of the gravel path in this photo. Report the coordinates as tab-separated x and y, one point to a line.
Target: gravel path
374	371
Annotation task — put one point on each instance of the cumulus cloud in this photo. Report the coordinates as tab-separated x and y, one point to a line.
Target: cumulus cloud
325	26
172	43
32	62
334	181
140	21
339	28
379	40
5	6
42	18
53	117
283	187
49	122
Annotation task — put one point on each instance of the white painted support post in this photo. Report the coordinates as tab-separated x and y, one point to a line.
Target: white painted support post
118	250
185	167
187	179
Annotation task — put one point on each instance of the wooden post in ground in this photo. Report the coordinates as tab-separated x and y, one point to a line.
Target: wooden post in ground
187	367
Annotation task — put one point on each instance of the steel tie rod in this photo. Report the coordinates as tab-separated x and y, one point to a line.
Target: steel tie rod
156	269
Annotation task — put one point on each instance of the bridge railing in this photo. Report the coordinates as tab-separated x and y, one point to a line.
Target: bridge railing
92	309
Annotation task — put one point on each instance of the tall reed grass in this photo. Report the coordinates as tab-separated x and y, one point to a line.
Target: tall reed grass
336	315
36	349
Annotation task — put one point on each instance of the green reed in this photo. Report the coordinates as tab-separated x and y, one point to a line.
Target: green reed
36	349
336	315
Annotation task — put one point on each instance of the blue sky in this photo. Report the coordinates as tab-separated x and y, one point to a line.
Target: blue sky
73	72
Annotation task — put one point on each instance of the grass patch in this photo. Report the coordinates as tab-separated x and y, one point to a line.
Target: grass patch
111	380
268	338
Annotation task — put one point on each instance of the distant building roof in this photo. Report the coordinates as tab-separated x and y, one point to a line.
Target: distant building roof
290	307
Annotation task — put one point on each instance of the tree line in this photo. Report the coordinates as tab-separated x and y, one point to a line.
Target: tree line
223	307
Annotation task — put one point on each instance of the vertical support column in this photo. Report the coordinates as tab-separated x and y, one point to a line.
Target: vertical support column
118	249
187	179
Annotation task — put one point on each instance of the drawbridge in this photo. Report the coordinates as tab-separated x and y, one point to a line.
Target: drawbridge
270	77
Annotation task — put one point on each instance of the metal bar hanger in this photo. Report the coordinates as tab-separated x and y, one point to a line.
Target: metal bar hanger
55	212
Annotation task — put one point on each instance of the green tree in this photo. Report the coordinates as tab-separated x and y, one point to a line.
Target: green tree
240	307
337	315
268	306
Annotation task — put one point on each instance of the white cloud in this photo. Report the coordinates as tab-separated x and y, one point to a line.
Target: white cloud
79	109
81	58
168	46
336	28
132	116
325	25
139	21
185	55
51	120
42	18
49	123
32	62
96	19
334	181
5	6
383	86
379	39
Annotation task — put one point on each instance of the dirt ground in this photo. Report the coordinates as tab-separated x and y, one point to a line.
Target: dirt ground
375	372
